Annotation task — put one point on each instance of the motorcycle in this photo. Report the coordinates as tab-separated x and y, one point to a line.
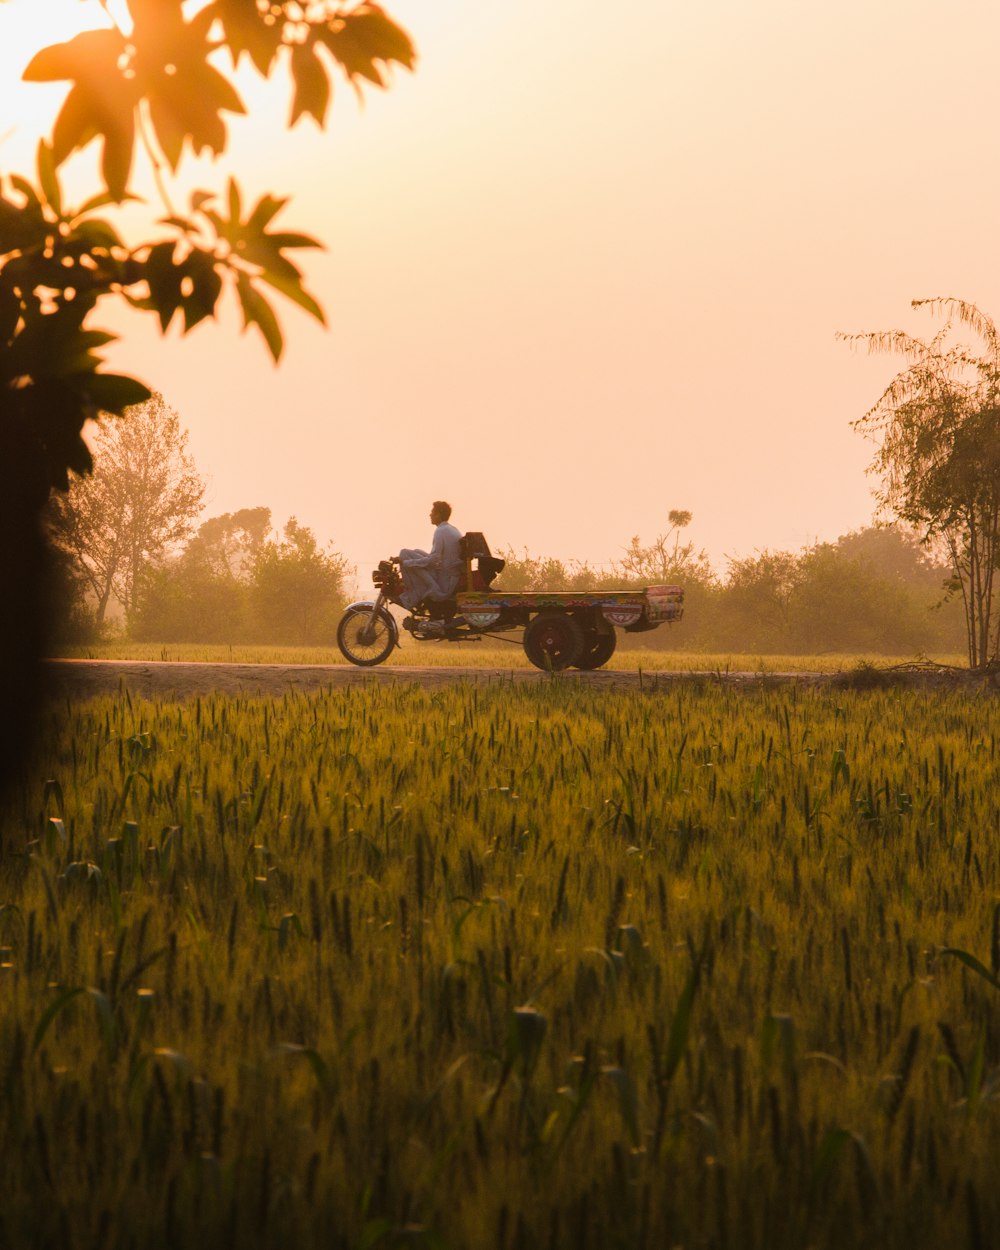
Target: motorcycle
368	632
561	629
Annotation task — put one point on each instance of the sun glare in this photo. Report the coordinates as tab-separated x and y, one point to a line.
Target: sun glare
30	108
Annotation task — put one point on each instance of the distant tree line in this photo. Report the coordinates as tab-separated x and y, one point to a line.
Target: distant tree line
874	590
235	581
931	585
126	537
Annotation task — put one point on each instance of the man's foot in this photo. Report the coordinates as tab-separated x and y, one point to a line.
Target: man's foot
421	628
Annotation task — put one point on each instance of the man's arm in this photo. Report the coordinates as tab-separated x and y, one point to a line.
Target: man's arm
435	559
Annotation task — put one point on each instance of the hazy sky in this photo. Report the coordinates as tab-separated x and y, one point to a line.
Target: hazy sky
587	264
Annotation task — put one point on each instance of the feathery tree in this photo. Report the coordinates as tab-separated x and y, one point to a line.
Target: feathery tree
137	505
236	582
937	427
297	592
229	545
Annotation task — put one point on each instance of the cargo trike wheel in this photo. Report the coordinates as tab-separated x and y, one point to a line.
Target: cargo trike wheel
597	648
364	638
553	641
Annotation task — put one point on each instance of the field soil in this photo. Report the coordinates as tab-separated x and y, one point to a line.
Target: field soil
173	679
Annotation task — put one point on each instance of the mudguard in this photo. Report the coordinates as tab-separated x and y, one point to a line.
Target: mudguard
366	605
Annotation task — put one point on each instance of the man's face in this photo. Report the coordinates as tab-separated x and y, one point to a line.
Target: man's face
437	516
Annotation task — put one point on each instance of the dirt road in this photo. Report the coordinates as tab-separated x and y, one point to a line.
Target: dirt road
81	679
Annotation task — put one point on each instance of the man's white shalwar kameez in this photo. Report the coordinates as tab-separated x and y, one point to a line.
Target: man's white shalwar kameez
432	575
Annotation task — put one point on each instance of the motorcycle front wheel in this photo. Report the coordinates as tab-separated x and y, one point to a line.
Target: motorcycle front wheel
366	638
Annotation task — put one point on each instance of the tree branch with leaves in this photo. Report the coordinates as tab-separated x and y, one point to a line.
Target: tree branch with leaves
158	80
153	77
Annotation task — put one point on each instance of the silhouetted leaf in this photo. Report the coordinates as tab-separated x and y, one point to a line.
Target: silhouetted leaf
47	179
101	103
169	126
247	32
100	201
21	227
157	19
74	127
28	191
359	39
78	457
164	280
64	446
51	277
235	204
172	53
83	58
116	160
266	209
143	303
51	345
114	392
188	105
312	84
292	288
179	223
285	239
387	40
257	311
251	244
206	286
97	233
77	352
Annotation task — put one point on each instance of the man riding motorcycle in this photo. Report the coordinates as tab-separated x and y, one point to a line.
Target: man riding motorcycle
434	574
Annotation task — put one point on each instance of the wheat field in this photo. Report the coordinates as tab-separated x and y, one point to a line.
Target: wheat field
504	967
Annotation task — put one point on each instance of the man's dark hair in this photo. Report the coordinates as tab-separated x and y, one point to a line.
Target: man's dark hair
440	505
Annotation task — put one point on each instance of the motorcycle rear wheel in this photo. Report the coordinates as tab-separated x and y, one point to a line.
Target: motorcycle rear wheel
364	640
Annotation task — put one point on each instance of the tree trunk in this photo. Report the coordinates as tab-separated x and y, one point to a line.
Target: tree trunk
991	565
102	603
969	610
23	567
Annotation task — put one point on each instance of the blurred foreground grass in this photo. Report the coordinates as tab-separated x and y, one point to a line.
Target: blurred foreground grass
486	655
505	968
